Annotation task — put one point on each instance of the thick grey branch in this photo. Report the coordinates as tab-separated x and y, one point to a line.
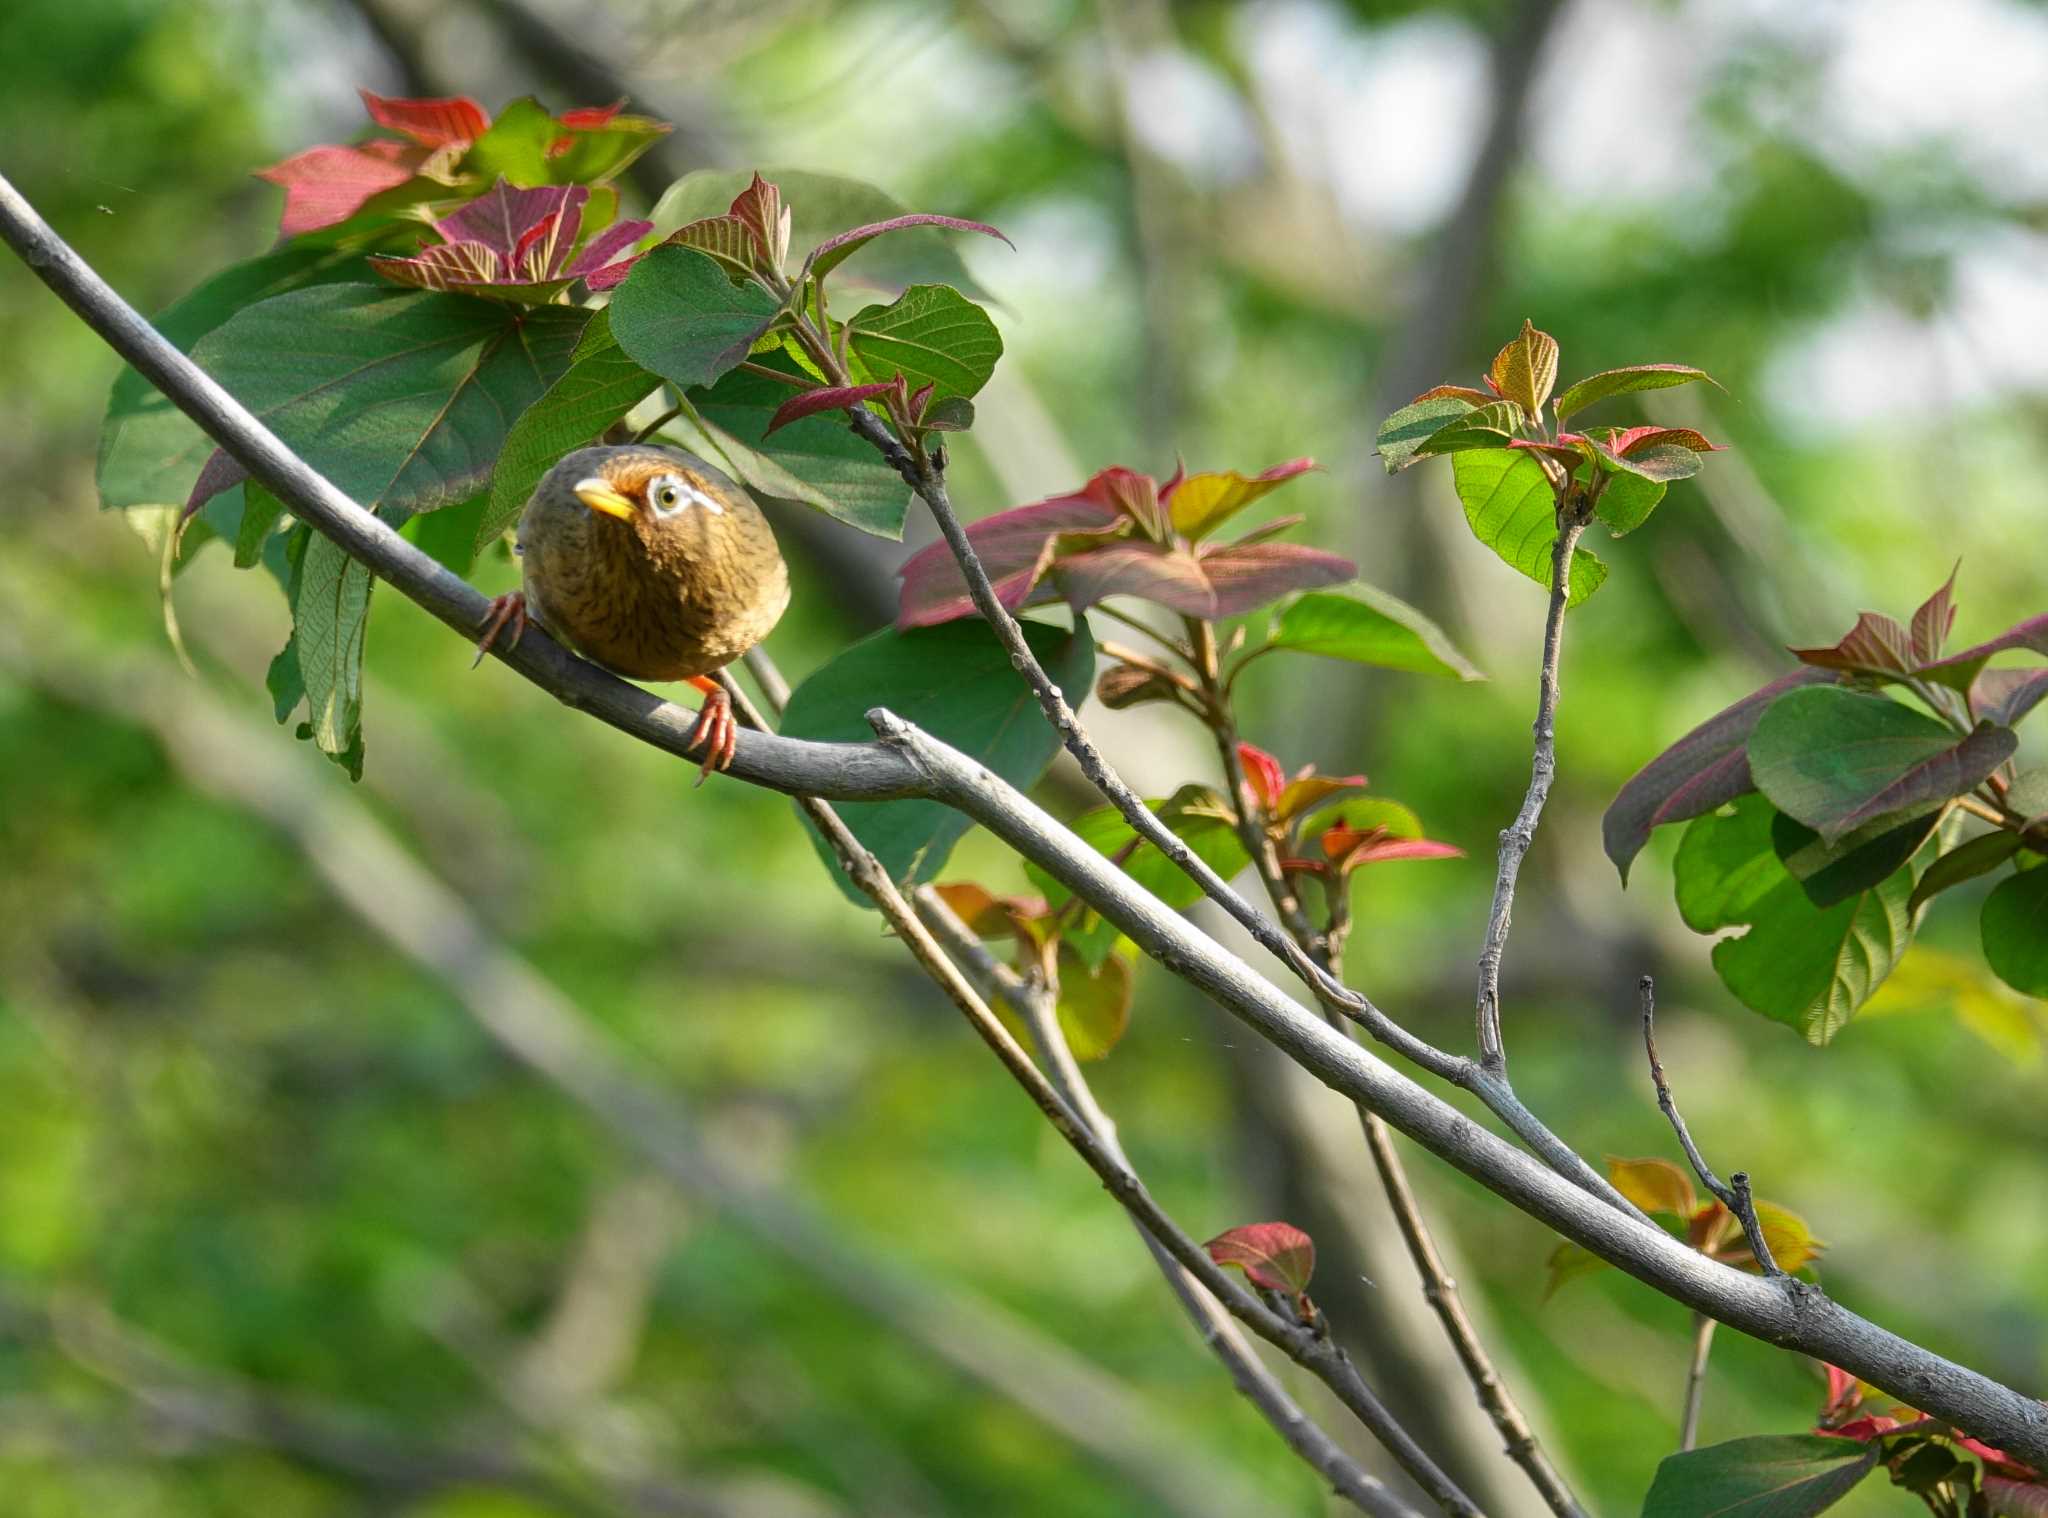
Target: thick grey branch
1782	1312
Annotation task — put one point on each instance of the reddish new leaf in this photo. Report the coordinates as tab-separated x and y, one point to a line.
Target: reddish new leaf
1934	619
449	121
834	251
1263	774
2006	695
1525	370
1246	577
760	206
826	398
2015	1499
1016	547
1876	645
1630	440
325	186
1598	387
219	472
1275	1256
1958	670
1169	577
588	118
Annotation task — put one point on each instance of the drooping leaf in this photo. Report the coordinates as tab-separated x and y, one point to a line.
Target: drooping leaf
1655	1185
151	452
1194	814
930	335
1508	501
1094	1003
1806	966
816	461
1858	860
600	386
1367	626
260	513
1964	863
1122	686
1705	769
1016	547
2005	696
1198	504
1276	1256
839	247
2015	931
1526	368
1769	1476
1836	759
1402	435
956	683
1598	387
822	206
402	399
680	317
329	615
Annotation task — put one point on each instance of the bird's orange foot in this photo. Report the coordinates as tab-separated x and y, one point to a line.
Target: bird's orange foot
714	728
506	610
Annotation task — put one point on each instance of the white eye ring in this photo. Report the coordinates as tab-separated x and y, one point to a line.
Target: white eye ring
668	495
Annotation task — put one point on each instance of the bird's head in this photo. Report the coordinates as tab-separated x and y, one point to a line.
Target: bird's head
659	492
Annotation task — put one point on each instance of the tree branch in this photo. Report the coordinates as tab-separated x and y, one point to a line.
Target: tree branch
907	763
1735	1195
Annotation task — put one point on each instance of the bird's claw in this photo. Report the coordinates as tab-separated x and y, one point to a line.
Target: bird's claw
508	608
716	731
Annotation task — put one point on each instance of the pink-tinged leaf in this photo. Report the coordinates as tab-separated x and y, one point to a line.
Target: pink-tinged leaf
504	216
1598	387
921	398
449	121
1246	578
1263	774
1135	495
1016	547
1958	670
1862	1430
1168	576
596	256
1265	530
219	472
1526	369
1705	769
327	185
1934	619
2012	1468
1307	791
1275	1256
1876	645
611	276
760	206
445	266
833	251
1844	1392
2006	695
1198	504
1469	393
2015	1499
1392	850
826	398
588	118
1629	440
1561	450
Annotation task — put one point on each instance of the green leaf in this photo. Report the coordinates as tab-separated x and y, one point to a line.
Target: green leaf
680	316
1626	501
1836	758
821	206
1508	501
515	145
329	615
1094	1004
2015	928
286	686
931	335
1194	814
400	397
1368	626
1770	1476
1806	966
1624	381
150	451
1964	862
601	385
817	460
1855	862
955	682
450	537
1490	426
260	512
1402	435
1958	986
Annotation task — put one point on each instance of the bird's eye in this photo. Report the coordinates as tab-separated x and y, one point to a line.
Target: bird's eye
667	496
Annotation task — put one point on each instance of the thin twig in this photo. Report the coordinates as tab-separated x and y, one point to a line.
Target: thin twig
1515	840
905	763
1696	1380
1306	1346
1735	1195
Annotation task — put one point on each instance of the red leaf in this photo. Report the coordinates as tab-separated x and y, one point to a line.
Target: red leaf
1862	1430
760	206
1245	578
2015	1499
1627	440
1135	495
2006	695
436	123
1151	571
826	398
858	237
1276	1256
1016	548
1958	670
504	218
588	118
1934	619
1350	848
1263	774
1844	1392
593	262
327	185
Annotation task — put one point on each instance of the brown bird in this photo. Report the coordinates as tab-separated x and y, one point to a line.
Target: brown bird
656	565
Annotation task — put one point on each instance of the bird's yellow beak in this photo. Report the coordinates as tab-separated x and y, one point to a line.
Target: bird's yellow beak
598	495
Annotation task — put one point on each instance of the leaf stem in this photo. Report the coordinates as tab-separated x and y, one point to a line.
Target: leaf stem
1695	1381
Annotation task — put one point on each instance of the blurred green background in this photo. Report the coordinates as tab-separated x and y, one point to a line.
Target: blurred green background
283	1232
